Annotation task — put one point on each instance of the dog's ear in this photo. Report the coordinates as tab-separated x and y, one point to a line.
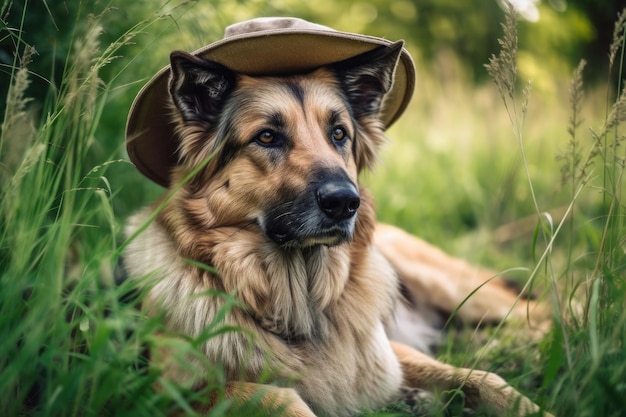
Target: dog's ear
367	77
199	87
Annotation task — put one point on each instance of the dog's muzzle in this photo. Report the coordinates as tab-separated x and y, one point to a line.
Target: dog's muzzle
322	214
338	200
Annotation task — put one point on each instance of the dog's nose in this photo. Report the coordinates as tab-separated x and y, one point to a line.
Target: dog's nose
339	200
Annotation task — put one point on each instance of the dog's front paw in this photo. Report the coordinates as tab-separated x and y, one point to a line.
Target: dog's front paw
419	401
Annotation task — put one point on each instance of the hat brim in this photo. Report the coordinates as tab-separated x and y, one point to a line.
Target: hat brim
150	134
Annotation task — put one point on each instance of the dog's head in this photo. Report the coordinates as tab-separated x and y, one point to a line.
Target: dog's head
283	153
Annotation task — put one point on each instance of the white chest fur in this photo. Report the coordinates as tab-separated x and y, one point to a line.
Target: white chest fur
314	322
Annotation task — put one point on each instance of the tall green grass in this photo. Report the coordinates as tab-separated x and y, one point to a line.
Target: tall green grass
557	164
73	342
64	348
584	357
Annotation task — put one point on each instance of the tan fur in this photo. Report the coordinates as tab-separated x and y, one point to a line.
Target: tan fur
317	311
444	282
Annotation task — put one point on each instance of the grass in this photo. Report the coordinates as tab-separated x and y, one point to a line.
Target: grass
479	178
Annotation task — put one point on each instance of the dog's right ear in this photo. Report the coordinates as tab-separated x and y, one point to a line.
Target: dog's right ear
198	87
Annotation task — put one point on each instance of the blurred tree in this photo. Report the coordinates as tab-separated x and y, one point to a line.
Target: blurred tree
565	31
602	14
556	34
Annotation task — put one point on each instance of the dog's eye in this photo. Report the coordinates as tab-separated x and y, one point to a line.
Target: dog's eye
266	137
339	134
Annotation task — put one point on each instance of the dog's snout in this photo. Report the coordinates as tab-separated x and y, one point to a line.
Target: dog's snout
339	200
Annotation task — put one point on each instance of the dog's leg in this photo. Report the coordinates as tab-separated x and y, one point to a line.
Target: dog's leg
444	282
480	387
275	401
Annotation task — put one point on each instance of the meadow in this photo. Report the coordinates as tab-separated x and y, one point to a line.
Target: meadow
510	174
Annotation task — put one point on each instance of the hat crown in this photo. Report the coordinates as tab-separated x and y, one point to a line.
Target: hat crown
263	46
263	24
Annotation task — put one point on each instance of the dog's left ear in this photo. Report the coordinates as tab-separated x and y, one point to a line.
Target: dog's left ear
367	77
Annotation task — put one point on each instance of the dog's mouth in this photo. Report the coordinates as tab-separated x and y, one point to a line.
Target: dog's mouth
323	215
331	237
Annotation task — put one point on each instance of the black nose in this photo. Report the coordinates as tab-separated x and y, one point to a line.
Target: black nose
339	200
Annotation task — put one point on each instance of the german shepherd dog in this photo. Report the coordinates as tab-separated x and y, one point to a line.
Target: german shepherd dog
271	200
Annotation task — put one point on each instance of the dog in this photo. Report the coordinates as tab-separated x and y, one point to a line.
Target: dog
264	203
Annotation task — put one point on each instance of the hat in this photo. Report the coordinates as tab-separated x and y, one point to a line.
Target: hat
262	46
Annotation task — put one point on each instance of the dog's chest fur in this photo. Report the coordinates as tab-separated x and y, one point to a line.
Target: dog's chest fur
318	314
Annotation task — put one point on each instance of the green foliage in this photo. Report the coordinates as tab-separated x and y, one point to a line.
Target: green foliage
73	341
584	355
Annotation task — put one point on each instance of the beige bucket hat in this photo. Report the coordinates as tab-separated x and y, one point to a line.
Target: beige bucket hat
262	46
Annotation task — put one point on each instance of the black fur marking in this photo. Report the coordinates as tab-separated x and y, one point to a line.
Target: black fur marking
199	87
230	148
297	91
299	221
335	115
275	156
276	121
406	294
354	143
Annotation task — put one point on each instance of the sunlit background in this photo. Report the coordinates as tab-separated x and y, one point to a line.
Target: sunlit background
451	172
